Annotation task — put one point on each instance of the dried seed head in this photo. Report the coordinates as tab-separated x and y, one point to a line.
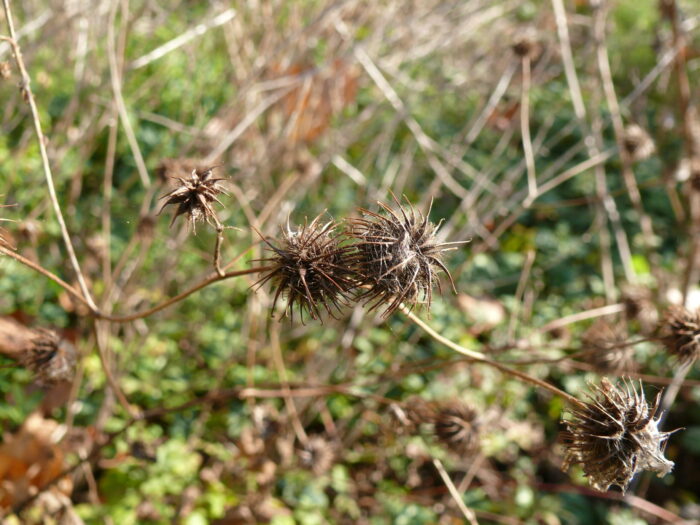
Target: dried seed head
146	226
605	347
526	43
318	455
637	142
695	180
194	197
51	358
311	268
683	334
640	306
398	256
615	435
456	426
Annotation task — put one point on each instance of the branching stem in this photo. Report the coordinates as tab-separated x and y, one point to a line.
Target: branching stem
95	312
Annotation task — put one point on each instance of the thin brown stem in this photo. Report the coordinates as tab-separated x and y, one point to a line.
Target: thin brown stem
525	128
179	297
102	340
43	271
217	248
618	128
282	372
139	315
27	92
481	358
456	496
674	388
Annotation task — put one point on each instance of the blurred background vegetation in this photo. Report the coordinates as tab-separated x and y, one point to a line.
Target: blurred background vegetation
328	105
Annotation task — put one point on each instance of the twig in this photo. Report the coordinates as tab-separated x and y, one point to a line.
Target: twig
568	58
646	378
182	39
466	511
102	340
217	248
594	145
481	358
27	90
525	127
632	500
282	372
609	309
674	388
688	114
541	190
139	315
519	291
179	297
618	127
46	273
115	78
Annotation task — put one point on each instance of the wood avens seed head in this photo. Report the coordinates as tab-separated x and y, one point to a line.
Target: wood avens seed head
683	334
51	359
194	196
312	268
605	347
398	256
317	455
456	426
616	435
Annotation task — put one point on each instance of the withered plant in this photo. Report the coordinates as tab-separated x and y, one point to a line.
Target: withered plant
605	345
682	334
322	104
194	196
456	426
312	268
615	435
51	359
399	256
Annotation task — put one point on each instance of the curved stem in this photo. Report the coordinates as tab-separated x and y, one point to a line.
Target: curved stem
671	393
481	358
43	271
206	282
138	315
27	92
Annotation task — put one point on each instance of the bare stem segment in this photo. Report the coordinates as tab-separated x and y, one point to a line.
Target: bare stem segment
27	92
481	358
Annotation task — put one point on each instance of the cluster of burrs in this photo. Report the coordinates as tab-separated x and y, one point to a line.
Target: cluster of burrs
385	260
391	258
